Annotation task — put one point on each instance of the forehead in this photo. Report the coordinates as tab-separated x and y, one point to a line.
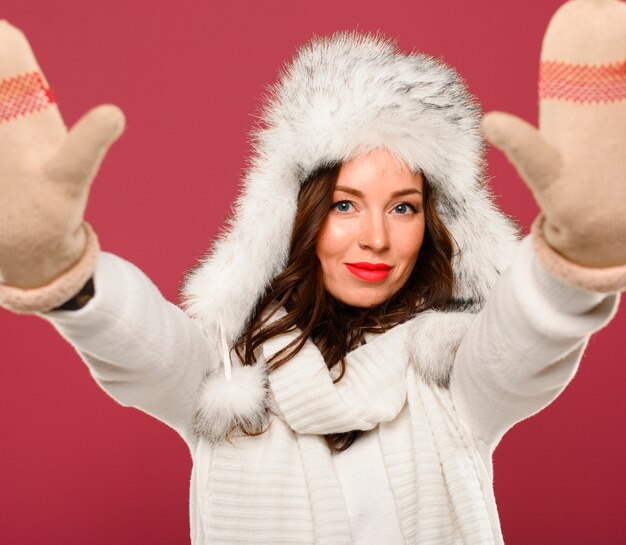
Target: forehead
378	170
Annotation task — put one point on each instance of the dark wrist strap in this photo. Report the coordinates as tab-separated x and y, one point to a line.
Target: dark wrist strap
81	298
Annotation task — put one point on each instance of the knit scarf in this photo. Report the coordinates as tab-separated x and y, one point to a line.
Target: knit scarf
373	389
430	461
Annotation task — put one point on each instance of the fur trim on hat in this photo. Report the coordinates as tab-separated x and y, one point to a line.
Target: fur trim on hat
432	342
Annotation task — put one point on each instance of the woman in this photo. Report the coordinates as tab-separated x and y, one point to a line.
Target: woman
409	374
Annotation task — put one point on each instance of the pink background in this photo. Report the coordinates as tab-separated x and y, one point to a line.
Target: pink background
75	467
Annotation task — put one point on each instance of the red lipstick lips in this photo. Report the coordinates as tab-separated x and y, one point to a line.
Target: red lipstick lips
370	272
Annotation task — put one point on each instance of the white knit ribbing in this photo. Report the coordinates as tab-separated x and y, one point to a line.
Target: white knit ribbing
255	490
431	470
373	390
331	521
447	471
396	440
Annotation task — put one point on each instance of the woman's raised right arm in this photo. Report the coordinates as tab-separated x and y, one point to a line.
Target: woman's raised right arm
141	349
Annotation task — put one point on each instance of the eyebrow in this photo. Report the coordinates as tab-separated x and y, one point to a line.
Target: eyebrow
356	192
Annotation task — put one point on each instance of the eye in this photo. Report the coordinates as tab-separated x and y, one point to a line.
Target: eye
342	206
404	208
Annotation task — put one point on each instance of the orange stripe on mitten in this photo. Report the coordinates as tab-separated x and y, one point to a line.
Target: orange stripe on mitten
582	83
23	95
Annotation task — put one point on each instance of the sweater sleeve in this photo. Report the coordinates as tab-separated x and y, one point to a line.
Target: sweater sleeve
524	346
141	349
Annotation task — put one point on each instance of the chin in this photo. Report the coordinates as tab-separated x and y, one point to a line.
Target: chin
361	300
348	292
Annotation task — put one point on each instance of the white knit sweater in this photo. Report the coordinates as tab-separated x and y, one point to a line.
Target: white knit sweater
423	474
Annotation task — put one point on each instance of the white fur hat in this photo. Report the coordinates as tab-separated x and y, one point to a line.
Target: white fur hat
342	96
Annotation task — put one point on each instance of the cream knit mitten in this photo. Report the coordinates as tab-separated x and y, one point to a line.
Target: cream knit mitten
575	164
47	251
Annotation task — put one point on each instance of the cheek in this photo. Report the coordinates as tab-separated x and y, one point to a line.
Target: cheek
409	242
333	240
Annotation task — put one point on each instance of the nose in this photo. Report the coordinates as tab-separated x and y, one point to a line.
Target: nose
374	233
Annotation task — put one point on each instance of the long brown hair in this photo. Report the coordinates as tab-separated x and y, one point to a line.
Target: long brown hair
334	327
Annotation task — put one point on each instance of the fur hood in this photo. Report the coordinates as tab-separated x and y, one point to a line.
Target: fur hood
341	96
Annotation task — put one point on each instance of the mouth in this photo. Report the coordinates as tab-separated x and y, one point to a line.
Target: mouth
370	272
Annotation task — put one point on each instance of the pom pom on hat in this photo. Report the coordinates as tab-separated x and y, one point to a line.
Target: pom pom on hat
224	405
237	398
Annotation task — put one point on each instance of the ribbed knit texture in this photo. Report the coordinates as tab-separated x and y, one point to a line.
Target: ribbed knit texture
426	443
429	456
245	486
373	390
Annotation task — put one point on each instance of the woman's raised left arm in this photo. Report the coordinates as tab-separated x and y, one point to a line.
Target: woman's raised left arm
564	282
524	346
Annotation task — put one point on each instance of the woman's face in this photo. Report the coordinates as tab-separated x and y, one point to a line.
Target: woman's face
371	238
